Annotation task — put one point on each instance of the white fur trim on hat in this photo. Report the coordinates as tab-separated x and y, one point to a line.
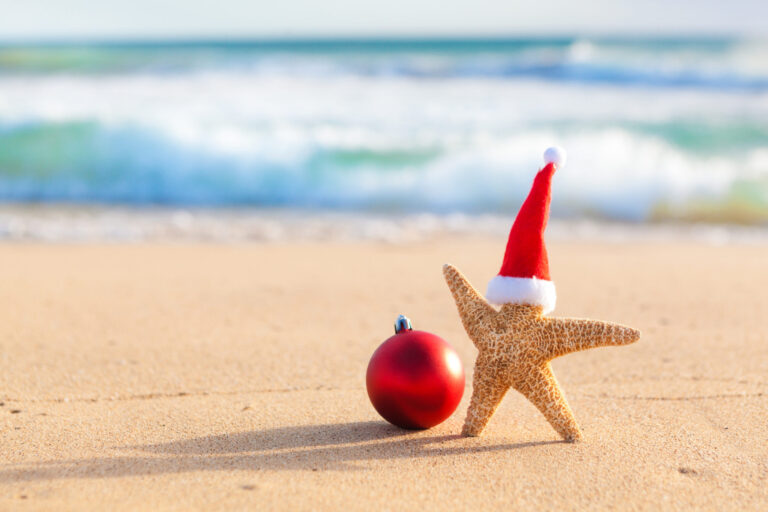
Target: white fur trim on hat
522	290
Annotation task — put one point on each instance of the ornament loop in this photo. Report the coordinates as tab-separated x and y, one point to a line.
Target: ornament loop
403	323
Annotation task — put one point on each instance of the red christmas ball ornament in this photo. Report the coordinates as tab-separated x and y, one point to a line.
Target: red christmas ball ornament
415	379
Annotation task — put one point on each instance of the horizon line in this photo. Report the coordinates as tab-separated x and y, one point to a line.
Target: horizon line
321	38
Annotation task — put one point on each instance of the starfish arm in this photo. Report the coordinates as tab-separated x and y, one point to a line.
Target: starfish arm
566	335
487	391
541	388
474	310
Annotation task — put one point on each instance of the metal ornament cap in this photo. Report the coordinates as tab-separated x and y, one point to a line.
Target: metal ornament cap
403	323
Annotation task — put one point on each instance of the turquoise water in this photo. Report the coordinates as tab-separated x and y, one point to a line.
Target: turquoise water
655	129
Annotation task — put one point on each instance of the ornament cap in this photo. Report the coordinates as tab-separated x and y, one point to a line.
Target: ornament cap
403	323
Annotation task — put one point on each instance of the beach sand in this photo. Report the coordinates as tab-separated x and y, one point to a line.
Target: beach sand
187	376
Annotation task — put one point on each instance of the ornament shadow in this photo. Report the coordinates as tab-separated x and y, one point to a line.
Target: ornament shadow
329	447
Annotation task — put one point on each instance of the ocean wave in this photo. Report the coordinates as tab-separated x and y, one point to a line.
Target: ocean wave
710	64
613	173
282	131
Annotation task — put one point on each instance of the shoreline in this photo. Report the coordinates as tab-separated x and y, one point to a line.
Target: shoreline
79	224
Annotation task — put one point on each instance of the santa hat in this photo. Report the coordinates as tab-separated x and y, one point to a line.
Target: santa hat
524	275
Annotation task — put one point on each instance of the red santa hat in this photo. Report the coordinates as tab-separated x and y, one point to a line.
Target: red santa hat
524	275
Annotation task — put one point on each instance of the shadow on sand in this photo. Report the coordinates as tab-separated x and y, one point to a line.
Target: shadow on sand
308	447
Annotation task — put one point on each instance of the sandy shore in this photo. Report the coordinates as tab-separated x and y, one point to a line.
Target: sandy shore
232	376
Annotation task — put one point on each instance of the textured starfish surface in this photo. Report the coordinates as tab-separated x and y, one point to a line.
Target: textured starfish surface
516	345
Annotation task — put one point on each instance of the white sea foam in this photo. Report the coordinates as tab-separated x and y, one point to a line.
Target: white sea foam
68	224
330	139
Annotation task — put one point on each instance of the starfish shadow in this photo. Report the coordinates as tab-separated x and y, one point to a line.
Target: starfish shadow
339	446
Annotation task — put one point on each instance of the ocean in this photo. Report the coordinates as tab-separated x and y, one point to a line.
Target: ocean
656	129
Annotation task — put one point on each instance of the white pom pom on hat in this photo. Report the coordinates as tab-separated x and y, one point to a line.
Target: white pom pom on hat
555	155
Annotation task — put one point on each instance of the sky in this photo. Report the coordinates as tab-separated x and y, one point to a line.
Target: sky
84	19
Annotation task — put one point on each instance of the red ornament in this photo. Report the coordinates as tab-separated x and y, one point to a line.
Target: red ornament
415	379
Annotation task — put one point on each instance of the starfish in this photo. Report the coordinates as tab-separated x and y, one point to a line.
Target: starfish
516	345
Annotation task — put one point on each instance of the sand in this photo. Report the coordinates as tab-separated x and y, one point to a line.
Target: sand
177	377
